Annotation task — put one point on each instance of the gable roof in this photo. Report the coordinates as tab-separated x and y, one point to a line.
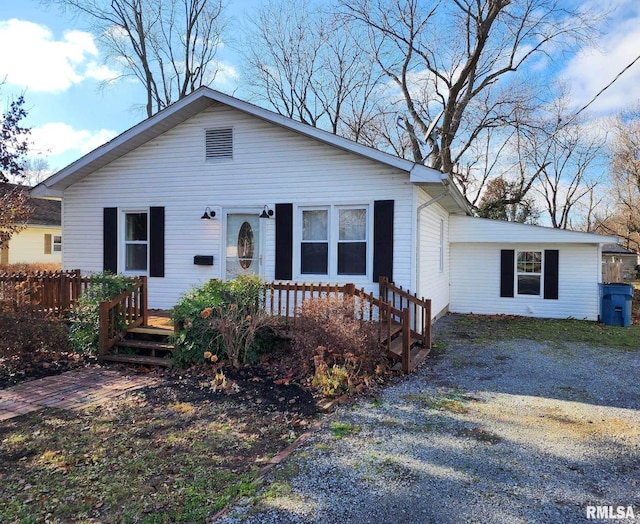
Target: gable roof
203	97
45	212
474	229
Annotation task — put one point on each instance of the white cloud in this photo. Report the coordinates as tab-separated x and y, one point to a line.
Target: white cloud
42	63
594	67
58	138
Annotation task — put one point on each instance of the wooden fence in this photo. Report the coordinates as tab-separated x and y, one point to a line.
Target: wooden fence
396	311
612	272
47	292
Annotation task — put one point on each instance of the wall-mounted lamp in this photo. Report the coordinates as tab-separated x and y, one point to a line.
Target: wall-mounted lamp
266	212
208	214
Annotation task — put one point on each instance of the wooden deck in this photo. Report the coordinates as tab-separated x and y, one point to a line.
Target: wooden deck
159	319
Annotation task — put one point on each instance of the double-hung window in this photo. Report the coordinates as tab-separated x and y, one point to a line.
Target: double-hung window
136	241
314	248
529	272
57	243
334	241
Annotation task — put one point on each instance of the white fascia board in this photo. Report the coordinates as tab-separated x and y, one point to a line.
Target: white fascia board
473	229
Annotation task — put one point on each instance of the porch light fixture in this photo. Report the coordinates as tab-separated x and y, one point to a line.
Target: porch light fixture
266	212
208	214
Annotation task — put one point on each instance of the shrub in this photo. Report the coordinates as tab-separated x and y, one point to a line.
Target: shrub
26	332
343	350
224	319
85	315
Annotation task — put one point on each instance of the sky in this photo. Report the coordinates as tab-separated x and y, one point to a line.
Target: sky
51	58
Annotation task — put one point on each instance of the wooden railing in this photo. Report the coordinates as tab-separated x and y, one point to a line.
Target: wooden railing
419	309
124	312
395	310
48	292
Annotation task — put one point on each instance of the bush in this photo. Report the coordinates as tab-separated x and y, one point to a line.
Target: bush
344	351
85	315
26	332
224	319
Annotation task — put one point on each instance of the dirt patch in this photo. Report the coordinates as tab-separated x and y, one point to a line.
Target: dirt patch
15	369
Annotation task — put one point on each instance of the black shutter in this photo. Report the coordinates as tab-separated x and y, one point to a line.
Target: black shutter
383	240
507	268
156	242
284	242
110	239
551	262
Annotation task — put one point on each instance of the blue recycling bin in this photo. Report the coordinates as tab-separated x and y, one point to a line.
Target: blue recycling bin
615	304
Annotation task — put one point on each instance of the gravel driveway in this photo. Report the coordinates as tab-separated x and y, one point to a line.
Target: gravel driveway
508	432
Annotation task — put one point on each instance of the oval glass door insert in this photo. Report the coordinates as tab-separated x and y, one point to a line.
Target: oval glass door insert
245	245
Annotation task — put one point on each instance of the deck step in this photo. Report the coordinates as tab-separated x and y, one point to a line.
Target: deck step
393	332
138	359
418	355
145	344
152	330
395	348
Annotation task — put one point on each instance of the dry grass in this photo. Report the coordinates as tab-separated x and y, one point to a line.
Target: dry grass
30	268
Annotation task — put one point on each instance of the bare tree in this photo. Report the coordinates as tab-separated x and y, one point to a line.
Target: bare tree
623	218
567	157
34	170
467	58
305	63
170	46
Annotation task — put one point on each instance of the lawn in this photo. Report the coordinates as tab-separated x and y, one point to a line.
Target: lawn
174	453
181	451
503	327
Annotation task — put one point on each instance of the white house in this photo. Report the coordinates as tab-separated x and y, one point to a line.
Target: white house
291	202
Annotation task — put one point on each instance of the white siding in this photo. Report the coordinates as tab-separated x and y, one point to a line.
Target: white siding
270	165
475	281
27	246
433	281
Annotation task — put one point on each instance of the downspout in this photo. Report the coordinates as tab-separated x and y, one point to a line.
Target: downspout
444	194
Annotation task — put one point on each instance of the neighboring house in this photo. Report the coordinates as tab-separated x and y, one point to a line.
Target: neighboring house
41	240
617	254
293	202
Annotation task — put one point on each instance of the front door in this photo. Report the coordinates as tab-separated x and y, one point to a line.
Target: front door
243	256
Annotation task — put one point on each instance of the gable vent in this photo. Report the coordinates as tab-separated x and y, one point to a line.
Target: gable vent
219	144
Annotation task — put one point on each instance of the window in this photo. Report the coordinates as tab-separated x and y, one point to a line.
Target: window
57	243
352	242
136	241
529	272
219	144
334	241
314	249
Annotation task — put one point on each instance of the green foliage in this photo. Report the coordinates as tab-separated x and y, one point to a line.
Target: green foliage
85	315
221	318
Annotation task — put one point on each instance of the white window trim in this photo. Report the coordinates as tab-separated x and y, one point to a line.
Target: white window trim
55	244
122	243
204	145
517	273
333	239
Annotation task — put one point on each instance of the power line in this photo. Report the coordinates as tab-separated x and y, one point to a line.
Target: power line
595	97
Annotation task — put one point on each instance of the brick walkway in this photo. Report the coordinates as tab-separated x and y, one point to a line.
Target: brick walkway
74	389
